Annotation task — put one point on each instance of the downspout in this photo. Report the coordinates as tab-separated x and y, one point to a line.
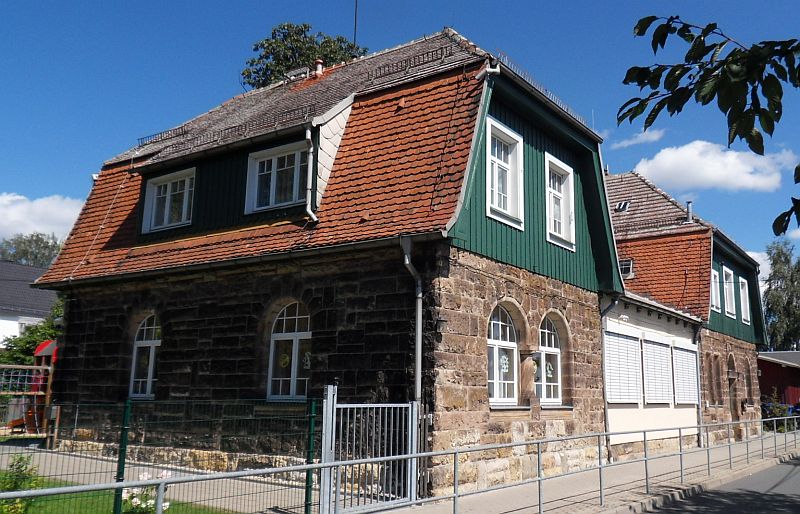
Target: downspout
310	175
405	243
603	313
699	388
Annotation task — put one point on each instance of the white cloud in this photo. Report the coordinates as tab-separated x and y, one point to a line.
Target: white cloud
763	267
648	136
50	214
793	234
704	165
604	133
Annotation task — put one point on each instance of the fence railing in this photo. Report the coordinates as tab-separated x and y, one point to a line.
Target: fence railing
752	432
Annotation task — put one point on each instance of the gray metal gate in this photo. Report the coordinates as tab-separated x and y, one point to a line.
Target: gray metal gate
360	431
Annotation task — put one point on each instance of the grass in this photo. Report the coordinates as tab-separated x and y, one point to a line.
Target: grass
100	502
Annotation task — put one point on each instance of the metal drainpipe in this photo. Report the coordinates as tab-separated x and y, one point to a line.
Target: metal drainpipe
614	302
309	176
405	243
697	338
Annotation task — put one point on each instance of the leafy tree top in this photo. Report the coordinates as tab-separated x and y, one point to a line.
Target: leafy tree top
292	46
746	81
35	249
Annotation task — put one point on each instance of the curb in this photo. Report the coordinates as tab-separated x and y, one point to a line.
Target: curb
662	500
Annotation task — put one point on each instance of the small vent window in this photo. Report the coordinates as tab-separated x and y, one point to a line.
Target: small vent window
626	268
622	206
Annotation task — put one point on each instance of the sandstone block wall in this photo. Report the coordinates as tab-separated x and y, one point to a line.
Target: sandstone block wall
216	327
464	293
721	353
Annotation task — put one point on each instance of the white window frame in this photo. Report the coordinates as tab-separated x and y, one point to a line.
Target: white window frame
715	296
514	214
148	220
493	345
623	368
630	273
658	376
149	345
744	300
729	292
544	351
300	172
295	338
566	238
685	379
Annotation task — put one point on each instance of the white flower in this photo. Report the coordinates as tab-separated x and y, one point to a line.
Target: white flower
136	502
151	503
145	476
165	474
165	506
125	494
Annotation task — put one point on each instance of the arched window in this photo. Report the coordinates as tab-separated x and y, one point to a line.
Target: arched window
145	349
547	369
290	353
502	353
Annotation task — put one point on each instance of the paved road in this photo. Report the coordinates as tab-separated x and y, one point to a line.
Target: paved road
776	489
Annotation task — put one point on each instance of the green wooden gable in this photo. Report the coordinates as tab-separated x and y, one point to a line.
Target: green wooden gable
593	263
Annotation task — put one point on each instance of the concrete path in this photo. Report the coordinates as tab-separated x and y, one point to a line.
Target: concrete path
624	489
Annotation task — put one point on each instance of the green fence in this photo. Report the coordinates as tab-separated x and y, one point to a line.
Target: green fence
95	443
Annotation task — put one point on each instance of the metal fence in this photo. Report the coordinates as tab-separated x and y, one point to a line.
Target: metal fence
212	493
98	443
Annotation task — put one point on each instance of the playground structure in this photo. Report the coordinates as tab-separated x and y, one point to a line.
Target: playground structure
25	393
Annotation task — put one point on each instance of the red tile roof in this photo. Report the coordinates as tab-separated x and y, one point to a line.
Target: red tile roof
399	170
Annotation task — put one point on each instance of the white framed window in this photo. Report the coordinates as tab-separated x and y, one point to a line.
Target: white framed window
290	358
504	174
728	288
626	268
145	353
169	201
547	369
715	303
623	367
684	364
657	368
502	368
277	177
744	300
560	204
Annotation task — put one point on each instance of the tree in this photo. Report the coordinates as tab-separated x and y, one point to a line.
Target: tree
19	349
293	46
35	249
747	83
782	297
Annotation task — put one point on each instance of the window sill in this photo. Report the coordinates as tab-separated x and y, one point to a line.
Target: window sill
506	408
505	218
143	397
267	208
166	227
554	407
558	241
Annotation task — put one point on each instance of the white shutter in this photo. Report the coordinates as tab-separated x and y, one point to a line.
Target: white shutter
657	372
623	368
685	365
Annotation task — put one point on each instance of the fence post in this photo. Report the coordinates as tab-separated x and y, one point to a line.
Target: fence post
680	450
785	435
123	450
708	452
160	493
455	481
761	436
747	439
600	468
646	464
312	418
539	475
730	448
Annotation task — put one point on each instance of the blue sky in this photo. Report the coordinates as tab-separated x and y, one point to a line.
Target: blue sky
81	81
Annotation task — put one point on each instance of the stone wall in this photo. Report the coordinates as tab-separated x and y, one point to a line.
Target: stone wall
720	354
216	328
467	289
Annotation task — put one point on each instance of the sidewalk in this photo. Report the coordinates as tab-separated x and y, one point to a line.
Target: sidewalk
624	484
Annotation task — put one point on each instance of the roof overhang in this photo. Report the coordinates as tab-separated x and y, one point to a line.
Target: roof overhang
765	357
648	303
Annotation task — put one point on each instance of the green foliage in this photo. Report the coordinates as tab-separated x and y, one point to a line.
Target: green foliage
19	476
19	349
771	407
782	297
292	46
747	83
35	249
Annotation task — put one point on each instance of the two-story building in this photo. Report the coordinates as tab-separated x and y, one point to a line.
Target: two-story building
21	305
672	256
422	222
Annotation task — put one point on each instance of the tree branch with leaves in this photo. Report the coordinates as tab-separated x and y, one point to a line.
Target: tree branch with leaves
746	82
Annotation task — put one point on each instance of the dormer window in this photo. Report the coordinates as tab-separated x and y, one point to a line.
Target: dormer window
626	268
168	201
277	177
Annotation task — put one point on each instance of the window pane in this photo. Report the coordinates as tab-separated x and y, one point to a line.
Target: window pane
284	187
490	355
159	208
304	367
556	182
505	363
282	367
263	189
551	368
303	175
502	188
176	201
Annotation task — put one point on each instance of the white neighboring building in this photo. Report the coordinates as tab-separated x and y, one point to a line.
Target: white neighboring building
20	304
650	366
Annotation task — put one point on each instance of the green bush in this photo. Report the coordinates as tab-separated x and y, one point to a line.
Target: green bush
20	476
